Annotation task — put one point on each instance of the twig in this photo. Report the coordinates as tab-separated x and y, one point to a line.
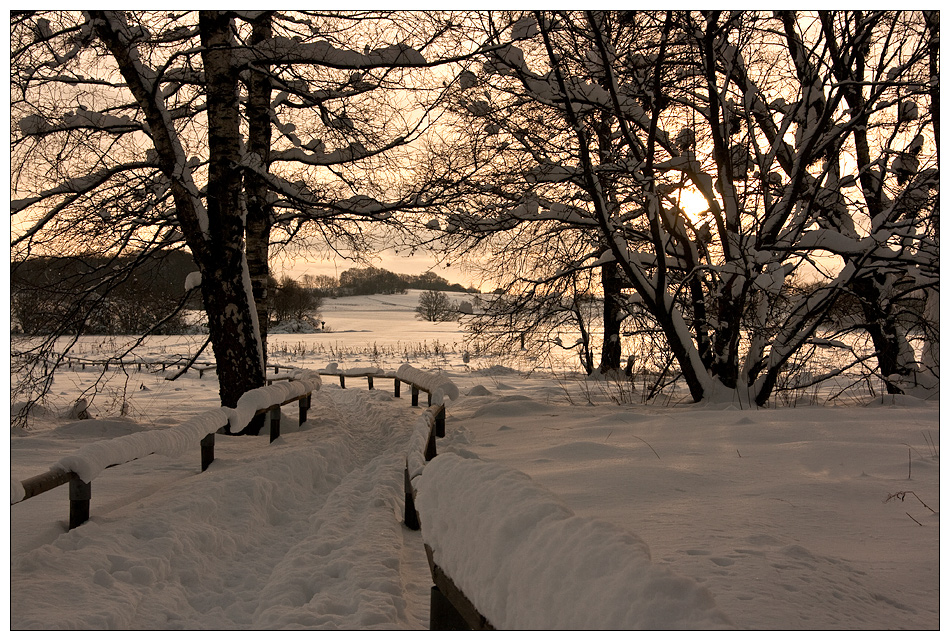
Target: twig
929	439
192	360
900	495
914	520
648	445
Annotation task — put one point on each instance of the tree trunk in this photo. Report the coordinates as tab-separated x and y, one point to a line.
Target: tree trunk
611	349
885	335
259	219
215	232
232	315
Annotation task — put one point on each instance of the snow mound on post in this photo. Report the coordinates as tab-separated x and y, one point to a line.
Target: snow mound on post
252	401
436	383
526	561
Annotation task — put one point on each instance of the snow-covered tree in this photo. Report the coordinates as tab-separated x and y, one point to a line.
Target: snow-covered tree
221	131
752	113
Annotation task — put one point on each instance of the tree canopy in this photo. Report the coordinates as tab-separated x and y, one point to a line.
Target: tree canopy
564	145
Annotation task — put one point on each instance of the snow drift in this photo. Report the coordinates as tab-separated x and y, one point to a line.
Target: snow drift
527	562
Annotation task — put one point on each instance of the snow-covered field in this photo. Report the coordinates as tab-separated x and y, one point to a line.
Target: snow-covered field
782	516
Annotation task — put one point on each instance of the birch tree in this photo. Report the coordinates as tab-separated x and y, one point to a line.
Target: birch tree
183	129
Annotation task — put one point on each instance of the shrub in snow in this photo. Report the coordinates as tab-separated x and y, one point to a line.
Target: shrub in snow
528	562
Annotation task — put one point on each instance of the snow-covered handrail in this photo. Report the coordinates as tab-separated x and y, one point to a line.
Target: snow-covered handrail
421	449
437	384
429	426
518	558
83	466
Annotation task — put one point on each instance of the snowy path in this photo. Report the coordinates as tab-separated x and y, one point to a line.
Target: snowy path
306	532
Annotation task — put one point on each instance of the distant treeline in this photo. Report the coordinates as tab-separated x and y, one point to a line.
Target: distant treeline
117	295
101	294
375	280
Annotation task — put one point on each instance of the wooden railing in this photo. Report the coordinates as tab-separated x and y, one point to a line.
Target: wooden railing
71	362
80	492
449	607
523	538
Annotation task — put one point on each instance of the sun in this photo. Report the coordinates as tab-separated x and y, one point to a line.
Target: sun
692	203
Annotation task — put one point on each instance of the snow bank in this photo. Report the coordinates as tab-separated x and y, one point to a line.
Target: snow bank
527	562
436	383
90	460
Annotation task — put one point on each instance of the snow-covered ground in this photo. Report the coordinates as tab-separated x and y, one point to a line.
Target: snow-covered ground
781	516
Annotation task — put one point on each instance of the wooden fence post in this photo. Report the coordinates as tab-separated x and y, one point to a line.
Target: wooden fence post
430	452
274	423
411	518
207	451
442	614
397	386
430	400
79	495
342	382
440	423
369	381
415	396
303	405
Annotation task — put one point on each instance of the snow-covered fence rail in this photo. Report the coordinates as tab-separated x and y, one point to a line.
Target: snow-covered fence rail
82	467
435	384
429	426
422	449
505	553
56	359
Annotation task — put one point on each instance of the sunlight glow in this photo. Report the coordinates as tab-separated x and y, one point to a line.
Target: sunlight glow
693	203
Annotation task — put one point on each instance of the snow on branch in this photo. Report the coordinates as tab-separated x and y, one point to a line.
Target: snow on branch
37	125
282	50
